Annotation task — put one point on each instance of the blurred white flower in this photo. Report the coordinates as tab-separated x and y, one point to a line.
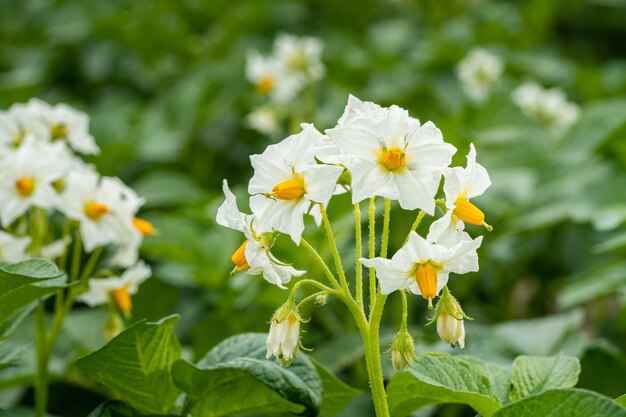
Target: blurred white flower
17	123
546	106
479	72
390	155
26	177
116	289
301	56
253	256
264	120
13	248
459	186
423	267
270	78
96	203
288	181
65	124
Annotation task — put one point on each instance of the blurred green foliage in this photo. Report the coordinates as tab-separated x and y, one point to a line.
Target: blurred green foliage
164	84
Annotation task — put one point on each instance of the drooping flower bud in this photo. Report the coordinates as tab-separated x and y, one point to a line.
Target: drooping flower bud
449	317
283	340
402	350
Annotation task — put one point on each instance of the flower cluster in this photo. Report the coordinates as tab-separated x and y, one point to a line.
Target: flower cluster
43	176
373	152
294	63
546	106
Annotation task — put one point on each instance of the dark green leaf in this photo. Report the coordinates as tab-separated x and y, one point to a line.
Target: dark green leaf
533	374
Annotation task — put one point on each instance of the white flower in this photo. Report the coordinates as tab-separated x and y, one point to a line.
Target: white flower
264	120
13	248
301	56
357	108
65	123
253	256
270	78
547	106
287	182
18	123
26	177
96	203
390	155
423	267
479	71
460	185
116	289
450	320
283	340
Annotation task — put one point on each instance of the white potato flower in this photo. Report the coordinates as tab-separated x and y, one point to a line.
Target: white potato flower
301	56
253	256
391	155
271	79
459	186
13	248
546	106
479	72
116	289
66	124
27	174
96	203
264	120
17	123
423	267
288	182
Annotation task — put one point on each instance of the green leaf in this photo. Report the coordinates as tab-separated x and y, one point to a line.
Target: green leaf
621	400
10	352
25	282
336	395
603	369
235	378
498	375
592	284
112	409
563	403
136	365
441	378
533	374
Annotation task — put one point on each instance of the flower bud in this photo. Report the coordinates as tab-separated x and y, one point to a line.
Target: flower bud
402	350
449	317
322	299
283	340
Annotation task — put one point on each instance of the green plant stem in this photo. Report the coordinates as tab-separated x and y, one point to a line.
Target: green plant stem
405	309
41	377
318	259
90	266
335	252
372	249
314	283
76	255
359	255
310	298
415	225
372	358
386	219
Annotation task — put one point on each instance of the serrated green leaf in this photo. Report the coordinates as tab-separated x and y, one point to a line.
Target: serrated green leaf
336	395
136	365
535	374
563	403
235	378
441	378
25	282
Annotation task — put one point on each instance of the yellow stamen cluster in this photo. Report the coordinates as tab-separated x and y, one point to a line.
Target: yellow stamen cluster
58	131
393	158
239	258
144	227
121	298
25	186
426	278
469	213
95	210
292	189
265	85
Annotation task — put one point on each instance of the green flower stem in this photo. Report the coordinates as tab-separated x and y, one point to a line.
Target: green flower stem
310	298
67	229
405	309
372	358
90	267
386	219
322	264
359	255
372	249
312	282
415	225
41	377
76	255
335	251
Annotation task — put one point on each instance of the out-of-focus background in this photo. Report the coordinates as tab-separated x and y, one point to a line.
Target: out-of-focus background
165	85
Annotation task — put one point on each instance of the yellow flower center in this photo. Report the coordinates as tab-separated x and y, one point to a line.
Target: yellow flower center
144	227
426	278
58	131
239	257
265	85
469	213
292	189
95	210
25	186
393	158
121	298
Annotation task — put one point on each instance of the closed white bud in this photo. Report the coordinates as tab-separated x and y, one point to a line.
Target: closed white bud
283	340
449	317
402	350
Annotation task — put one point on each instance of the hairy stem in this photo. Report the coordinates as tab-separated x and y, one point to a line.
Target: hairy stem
318	259
372	250
335	252
41	377
359	255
